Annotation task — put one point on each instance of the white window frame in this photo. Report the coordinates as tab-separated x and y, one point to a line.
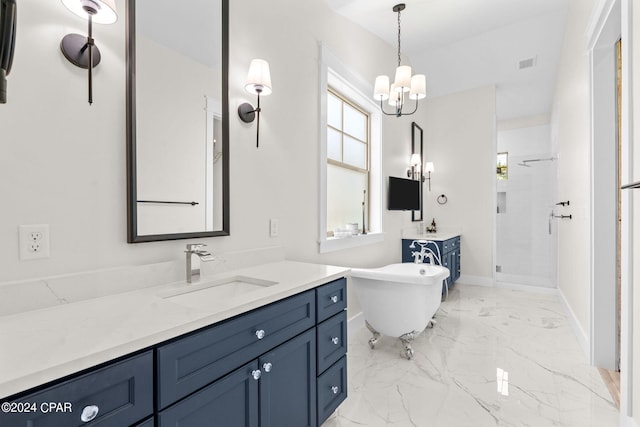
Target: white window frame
335	74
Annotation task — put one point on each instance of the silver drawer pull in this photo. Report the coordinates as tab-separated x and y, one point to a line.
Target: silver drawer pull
89	413
260	334
256	374
335	389
334	298
267	367
335	340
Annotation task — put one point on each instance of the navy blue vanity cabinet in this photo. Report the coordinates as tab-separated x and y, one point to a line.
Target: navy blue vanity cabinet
449	254
190	363
331	337
262	368
119	394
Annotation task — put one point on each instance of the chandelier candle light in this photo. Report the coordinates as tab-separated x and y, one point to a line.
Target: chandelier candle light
404	82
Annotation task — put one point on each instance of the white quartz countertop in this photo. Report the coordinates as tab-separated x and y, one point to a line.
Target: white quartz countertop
444	235
42	345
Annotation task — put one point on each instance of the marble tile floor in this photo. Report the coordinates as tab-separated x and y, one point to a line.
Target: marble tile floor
497	357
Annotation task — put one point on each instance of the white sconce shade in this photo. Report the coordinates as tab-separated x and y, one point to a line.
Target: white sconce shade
428	167
415	160
403	78
101	11
259	78
418	87
381	89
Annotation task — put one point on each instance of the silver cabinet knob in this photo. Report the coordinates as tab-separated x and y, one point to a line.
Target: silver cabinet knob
267	367
334	298
256	374
335	389
260	334
89	413
335	340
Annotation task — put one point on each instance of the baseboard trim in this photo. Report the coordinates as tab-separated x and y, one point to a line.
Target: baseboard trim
475	280
581	336
528	288
626	421
355	323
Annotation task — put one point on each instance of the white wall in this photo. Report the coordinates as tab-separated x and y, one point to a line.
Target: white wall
63	161
459	132
570	140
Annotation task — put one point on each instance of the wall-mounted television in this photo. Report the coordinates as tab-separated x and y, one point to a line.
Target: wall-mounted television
404	194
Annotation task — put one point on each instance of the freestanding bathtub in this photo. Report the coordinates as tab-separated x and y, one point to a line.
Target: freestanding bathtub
399	300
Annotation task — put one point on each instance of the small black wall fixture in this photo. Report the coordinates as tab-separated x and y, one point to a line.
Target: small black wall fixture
81	51
258	83
8	20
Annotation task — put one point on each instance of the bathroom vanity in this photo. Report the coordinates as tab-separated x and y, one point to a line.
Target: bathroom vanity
269	355
447	243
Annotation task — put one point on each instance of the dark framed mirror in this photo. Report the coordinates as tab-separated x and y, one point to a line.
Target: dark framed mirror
177	119
417	147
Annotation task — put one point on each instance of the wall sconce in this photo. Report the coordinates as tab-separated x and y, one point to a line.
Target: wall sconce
414	167
428	168
258	83
81	51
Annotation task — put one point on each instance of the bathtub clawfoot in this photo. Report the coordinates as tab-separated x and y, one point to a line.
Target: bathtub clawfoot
376	335
406	340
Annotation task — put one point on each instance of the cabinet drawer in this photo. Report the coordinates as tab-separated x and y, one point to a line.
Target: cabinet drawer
451	244
332	389
192	362
331	340
331	299
122	394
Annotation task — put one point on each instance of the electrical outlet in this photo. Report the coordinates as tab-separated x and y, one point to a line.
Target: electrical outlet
274	227
34	241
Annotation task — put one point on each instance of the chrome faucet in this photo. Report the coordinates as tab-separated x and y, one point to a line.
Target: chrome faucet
418	257
193	268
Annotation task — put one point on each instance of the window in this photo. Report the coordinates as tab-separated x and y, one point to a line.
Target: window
350	158
347	165
502	168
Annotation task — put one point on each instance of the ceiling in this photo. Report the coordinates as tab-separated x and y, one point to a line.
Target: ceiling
463	44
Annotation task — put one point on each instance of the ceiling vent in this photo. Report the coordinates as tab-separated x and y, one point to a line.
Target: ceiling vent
527	63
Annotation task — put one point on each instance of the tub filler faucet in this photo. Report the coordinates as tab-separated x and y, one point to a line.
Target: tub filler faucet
418	257
193	268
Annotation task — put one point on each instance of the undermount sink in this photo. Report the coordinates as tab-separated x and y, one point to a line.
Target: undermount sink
199	294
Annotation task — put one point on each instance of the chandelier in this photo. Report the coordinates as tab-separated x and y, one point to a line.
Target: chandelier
404	86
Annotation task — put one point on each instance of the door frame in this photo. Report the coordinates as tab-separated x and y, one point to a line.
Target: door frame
610	21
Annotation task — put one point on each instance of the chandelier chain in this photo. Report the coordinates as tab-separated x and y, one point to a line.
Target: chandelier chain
398	38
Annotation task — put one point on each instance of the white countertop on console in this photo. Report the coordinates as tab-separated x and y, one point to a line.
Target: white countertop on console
42	345
440	235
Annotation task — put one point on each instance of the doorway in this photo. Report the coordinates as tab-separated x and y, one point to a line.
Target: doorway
526	227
